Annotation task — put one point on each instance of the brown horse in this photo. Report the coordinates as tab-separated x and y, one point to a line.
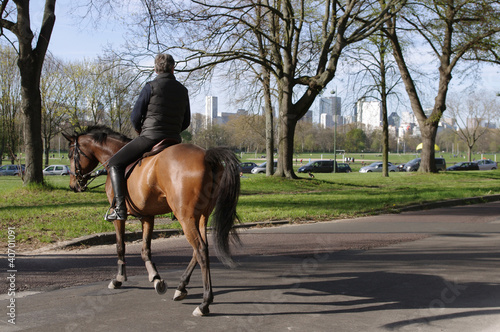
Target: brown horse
184	179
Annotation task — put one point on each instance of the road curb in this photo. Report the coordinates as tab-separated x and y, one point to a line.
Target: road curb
110	237
450	202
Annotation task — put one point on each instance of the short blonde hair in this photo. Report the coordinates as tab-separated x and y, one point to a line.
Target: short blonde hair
164	63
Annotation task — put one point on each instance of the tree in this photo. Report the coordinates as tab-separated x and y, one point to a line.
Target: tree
53	95
31	55
213	136
454	31
355	140
118	86
77	78
302	43
378	75
474	116
247	132
10	126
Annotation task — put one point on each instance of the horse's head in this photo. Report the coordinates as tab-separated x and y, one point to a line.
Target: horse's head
82	161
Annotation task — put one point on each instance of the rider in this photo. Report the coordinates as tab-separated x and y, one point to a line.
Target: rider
161	111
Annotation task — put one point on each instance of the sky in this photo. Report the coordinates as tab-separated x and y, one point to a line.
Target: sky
74	39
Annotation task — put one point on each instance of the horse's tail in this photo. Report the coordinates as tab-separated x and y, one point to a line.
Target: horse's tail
226	194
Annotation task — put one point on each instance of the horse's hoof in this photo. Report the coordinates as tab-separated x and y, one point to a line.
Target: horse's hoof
160	286
114	284
198	313
178	295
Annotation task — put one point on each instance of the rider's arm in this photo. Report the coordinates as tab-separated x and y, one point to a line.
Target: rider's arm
141	108
187	117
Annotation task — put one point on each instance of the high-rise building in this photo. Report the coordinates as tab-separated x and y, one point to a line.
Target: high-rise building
394	119
369	113
211	110
328	107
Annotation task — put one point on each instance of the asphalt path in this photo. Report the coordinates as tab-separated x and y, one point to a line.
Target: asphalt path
433	270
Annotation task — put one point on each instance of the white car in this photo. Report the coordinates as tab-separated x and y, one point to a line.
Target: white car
377	167
486	164
56	170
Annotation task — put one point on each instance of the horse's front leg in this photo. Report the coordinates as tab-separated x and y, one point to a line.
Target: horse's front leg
121	276
147	233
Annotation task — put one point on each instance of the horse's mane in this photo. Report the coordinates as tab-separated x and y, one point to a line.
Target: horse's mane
100	133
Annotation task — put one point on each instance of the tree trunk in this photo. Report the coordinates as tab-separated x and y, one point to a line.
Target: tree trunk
269	123
46	149
385	122
385	139
32	118
287	125
30	64
427	158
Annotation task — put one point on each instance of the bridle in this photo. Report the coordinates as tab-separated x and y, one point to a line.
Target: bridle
83	179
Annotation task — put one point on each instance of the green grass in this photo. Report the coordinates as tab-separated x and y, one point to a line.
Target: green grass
46	215
331	196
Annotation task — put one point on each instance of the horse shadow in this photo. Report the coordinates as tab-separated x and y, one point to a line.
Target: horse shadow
322	293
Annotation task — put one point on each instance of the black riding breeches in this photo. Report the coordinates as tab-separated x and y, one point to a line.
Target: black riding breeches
131	152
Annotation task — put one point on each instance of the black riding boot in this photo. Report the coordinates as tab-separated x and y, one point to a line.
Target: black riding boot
117	177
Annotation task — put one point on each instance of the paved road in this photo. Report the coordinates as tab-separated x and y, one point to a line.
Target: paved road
435	270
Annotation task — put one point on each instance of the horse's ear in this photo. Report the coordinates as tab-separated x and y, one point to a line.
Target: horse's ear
68	137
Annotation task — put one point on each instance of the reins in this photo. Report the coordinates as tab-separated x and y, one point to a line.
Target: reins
88	178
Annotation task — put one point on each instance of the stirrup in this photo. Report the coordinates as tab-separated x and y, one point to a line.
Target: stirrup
114	215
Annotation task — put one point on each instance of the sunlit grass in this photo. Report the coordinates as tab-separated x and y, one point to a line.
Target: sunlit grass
53	213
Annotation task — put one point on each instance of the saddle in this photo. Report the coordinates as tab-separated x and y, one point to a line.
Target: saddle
159	147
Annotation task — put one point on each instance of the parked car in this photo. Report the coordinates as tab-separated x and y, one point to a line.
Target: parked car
486	164
413	165
317	166
247	167
377	167
12	170
343	168
464	166
56	170
262	168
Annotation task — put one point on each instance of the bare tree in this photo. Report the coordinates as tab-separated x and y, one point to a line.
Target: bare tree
53	94
301	45
10	104
79	80
474	115
119	88
248	132
454	31
379	77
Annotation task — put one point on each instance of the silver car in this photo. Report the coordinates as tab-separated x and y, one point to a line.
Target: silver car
11	169
486	164
56	170
377	167
262	168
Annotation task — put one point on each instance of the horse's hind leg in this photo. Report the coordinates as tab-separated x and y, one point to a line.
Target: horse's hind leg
181	292
121	276
147	232
200	246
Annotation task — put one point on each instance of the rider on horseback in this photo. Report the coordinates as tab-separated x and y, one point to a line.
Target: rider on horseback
161	112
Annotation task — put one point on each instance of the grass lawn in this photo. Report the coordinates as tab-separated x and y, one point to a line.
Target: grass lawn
43	216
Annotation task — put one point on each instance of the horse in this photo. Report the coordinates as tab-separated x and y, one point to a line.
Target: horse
184	179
